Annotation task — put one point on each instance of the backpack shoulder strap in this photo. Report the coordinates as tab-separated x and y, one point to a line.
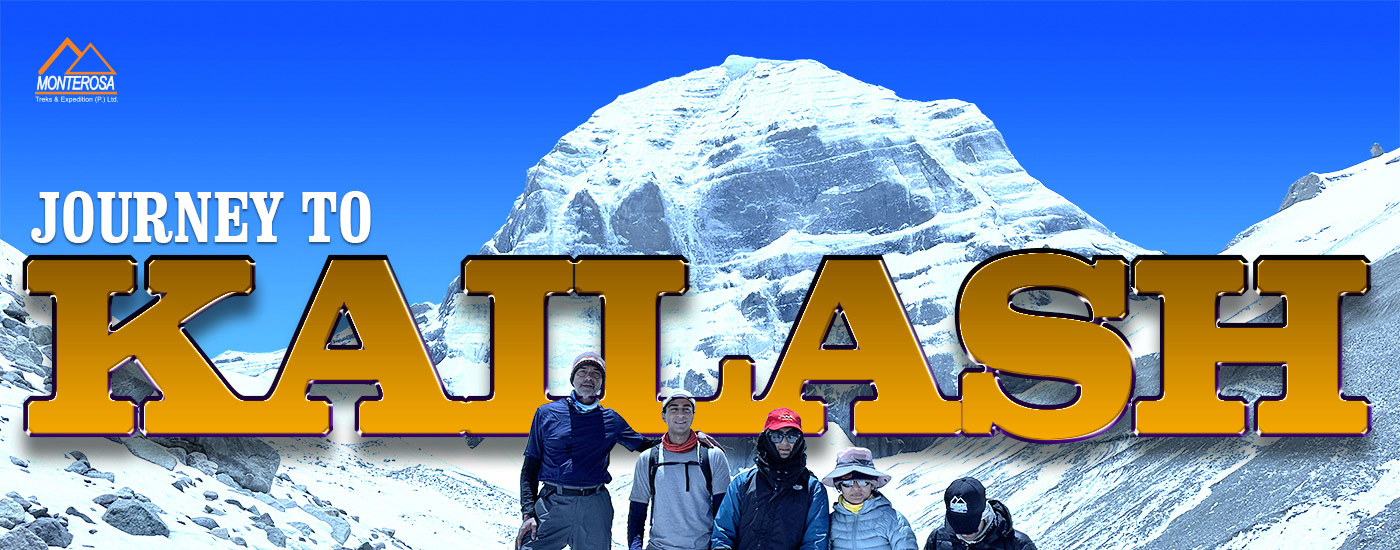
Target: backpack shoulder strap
653	462
705	469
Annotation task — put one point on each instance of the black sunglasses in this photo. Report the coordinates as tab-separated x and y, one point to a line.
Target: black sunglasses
778	437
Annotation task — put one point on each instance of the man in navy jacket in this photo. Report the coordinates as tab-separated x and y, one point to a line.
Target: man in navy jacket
570	440
779	504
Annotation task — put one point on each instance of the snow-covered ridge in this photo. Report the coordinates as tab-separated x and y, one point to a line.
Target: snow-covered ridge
1350	211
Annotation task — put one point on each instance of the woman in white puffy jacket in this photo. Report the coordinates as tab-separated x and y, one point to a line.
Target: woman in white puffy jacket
862	518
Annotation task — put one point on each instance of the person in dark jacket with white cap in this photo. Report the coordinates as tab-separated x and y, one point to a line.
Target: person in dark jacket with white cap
862	518
972	521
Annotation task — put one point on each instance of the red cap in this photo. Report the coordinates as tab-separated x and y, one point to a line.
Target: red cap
782	418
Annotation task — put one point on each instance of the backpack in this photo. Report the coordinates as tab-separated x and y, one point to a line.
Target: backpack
654	462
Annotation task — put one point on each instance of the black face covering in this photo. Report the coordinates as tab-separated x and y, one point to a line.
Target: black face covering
788	471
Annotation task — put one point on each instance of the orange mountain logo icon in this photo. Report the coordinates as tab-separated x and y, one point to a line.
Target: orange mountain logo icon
83	77
68	43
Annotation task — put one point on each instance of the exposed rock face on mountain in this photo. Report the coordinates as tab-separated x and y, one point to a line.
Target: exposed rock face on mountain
753	171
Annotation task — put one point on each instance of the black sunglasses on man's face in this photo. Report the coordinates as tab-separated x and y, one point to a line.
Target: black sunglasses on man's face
790	436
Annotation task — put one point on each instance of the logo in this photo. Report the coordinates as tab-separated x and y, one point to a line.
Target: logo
88	75
957	505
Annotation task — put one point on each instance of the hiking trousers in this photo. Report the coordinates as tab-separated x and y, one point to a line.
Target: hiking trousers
581	522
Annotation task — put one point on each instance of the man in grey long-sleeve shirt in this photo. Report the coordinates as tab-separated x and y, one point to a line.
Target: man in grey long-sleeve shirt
681	480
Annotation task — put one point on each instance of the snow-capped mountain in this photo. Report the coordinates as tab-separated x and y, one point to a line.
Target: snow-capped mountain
753	170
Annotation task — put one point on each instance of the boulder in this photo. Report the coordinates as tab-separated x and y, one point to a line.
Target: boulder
206	467
15	327
109	476
21	539
16	311
225	479
340	529
11	513
20	500
41	335
183	482
17	379
250	462
136	518
281	504
205	522
51	531
276	536
130	381
75	513
300	526
22	463
1377	150
146	450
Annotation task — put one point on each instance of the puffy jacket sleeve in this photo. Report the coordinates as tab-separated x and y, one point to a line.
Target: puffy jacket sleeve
724	535
818	521
902	535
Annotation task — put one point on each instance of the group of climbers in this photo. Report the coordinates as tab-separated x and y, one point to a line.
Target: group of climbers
683	480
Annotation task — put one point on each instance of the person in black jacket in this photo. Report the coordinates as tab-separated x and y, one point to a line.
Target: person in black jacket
778	504
972	521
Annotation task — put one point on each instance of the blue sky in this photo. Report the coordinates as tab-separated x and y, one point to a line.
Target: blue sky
1176	124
